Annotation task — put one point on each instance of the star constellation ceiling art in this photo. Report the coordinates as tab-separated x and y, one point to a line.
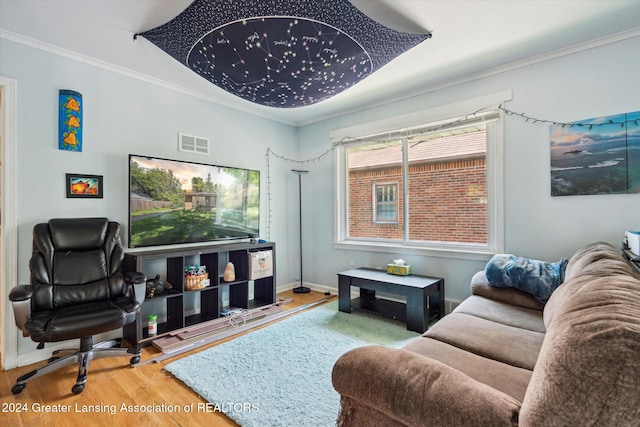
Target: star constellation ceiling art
280	53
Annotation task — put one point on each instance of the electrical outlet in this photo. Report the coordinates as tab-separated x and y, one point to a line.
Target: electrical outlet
352	265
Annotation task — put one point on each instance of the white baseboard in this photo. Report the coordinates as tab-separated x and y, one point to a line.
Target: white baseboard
450	305
45	353
312	286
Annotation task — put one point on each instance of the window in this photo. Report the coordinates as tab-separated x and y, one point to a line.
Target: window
448	187
385	205
433	186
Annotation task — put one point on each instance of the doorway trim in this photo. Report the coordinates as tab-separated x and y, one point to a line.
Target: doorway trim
8	203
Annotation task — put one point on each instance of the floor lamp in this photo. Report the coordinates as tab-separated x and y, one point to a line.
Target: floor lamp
300	289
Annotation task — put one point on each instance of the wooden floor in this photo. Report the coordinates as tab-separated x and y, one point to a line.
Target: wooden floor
114	393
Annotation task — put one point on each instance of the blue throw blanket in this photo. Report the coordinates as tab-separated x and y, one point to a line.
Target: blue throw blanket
539	278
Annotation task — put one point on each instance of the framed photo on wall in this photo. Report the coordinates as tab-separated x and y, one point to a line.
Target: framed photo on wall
596	156
84	186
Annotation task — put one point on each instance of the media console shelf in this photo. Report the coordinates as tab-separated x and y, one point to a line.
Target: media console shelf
177	307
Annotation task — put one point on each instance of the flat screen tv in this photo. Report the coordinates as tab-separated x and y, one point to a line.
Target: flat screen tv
176	202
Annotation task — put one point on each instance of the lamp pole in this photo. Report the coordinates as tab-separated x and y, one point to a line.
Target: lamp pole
300	289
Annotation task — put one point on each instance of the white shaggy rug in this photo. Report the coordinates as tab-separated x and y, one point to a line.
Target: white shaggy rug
281	375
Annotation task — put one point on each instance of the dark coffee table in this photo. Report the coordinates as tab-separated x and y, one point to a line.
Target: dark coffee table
424	295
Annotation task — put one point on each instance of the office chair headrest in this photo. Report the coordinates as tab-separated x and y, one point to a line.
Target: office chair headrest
78	233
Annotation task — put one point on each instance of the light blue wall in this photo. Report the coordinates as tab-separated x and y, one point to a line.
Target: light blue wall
125	115
592	83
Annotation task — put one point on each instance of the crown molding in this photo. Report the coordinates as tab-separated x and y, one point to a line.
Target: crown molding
55	50
577	48
570	50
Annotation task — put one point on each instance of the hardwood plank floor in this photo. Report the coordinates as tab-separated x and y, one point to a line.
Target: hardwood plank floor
116	394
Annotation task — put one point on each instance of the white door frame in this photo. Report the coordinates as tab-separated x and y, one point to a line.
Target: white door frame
9	239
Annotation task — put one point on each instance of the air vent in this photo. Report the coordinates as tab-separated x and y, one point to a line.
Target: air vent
193	144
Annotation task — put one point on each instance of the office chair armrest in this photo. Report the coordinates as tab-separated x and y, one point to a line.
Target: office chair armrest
20	293
138	282
20	297
135	277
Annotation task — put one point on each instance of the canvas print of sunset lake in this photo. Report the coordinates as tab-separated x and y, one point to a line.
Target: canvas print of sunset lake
601	156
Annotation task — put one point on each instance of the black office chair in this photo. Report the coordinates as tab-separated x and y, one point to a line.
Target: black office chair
77	290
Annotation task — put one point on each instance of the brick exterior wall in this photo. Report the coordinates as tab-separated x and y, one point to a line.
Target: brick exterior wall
448	202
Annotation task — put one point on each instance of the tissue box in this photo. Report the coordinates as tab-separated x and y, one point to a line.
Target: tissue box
399	270
633	240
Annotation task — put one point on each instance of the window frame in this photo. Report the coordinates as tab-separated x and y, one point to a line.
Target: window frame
420	119
375	203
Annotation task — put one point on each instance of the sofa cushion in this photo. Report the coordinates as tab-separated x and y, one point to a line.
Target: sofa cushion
539	278
480	286
501	376
588	370
504	343
501	312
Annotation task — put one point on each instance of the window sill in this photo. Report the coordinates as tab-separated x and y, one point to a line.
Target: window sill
444	251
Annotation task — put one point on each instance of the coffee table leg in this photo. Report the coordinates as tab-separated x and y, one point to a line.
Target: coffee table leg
417	317
344	294
438	310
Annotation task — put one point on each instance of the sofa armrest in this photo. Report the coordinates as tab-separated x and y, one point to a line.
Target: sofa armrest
417	390
480	286
20	297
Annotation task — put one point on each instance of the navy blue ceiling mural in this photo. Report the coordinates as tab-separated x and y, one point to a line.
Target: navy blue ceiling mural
280	53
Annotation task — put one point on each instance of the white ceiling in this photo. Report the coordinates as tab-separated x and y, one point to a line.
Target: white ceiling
470	38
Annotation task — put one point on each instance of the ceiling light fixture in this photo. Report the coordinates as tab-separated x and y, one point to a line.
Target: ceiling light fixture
280	53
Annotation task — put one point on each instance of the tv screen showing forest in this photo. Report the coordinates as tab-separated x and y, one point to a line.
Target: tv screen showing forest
175	202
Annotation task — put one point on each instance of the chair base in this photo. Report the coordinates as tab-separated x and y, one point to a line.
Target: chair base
82	357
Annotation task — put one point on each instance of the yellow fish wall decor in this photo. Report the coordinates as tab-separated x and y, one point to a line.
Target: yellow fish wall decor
70	120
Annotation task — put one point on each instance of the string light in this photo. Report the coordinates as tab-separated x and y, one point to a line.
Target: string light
635	122
462	119
286	159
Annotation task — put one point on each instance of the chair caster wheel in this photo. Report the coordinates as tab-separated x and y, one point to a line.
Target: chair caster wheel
134	360
77	389
16	389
